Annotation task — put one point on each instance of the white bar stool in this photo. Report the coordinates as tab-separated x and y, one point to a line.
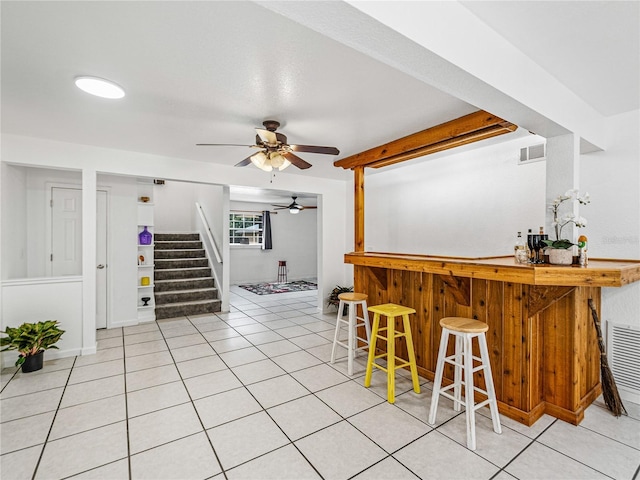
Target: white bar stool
465	330
352	323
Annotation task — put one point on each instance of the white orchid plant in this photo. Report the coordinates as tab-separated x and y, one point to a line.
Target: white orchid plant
559	222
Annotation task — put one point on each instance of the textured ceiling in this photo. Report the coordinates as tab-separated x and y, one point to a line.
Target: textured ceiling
209	72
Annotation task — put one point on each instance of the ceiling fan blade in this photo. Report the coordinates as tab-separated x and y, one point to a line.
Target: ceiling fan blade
279	206
315	149
267	137
297	161
224	145
244	163
308	207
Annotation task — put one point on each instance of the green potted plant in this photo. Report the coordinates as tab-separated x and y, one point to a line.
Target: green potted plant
335	301
31	340
560	250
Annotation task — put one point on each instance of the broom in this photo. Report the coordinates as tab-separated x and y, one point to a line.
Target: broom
609	390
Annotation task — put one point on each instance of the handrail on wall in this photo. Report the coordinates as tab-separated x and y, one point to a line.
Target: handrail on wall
216	251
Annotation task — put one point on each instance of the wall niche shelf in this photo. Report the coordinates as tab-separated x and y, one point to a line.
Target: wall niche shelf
146	313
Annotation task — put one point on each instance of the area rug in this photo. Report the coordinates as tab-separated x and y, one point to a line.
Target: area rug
270	288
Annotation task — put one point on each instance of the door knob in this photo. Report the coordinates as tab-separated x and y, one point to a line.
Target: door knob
101	266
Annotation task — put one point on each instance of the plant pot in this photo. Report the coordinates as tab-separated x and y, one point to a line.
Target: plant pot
33	363
560	256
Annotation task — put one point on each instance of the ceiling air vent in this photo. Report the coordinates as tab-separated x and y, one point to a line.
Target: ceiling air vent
534	153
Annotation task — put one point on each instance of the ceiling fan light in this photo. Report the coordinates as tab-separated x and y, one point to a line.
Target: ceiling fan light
259	160
294	210
277	160
99	87
285	164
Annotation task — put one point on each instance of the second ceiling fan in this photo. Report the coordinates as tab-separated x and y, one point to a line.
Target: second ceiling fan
294	207
275	152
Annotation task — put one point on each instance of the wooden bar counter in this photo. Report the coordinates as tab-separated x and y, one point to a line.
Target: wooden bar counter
542	342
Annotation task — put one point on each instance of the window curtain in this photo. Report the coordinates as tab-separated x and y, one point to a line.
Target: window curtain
266	231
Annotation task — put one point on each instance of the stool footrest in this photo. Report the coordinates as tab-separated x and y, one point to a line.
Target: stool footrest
346	345
384	369
481	404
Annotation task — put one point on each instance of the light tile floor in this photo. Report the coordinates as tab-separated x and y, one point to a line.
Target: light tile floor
251	394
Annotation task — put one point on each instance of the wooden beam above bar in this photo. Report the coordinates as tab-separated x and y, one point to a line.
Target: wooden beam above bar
468	129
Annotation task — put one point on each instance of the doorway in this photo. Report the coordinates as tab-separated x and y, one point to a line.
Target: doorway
66	241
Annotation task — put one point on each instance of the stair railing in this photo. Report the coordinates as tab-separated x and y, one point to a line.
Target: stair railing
210	246
209	233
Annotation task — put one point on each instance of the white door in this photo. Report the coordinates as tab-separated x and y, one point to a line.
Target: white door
66	241
66	231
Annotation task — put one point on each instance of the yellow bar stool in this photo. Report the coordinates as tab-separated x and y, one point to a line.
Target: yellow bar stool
465	330
352	323
391	311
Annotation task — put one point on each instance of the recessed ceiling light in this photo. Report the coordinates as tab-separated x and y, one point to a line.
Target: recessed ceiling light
99	87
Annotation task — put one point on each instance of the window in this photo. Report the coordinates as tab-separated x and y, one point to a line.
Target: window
245	228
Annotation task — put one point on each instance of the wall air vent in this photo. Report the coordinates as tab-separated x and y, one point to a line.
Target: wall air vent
534	153
623	351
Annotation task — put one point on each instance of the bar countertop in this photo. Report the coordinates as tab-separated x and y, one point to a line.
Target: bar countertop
598	272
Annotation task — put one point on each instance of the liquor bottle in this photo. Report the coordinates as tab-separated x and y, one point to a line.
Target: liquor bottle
531	244
520	250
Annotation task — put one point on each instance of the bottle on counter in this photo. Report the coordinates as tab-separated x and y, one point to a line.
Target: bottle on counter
520	250
543	236
530	244
582	251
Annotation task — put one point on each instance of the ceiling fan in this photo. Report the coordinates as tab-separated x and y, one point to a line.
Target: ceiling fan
275	152
294	207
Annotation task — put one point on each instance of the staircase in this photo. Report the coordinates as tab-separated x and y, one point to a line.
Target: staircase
182	276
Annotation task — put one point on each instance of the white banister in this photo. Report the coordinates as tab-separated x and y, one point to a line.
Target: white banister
209	233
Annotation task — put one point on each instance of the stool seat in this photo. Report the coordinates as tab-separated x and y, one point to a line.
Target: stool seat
391	310
464	325
351	300
352	297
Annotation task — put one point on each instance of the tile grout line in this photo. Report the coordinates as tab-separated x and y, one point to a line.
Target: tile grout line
291	442
53	420
193	405
126	403
263	409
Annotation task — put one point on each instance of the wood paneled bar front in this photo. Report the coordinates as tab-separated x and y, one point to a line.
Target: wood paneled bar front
542	341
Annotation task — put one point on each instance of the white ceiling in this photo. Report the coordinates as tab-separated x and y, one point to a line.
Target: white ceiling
592	47
209	72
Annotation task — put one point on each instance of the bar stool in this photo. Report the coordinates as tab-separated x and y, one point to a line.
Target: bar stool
282	271
465	330
391	311
352	300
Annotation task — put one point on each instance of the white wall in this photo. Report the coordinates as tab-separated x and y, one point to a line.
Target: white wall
472	204
294	240
332	244
43	299
469	204
14	215
174	207
211	199
121	242
612	178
